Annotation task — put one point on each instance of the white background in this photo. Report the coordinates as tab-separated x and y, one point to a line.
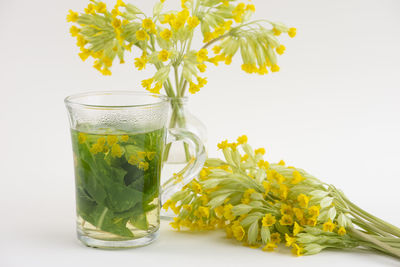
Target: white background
332	110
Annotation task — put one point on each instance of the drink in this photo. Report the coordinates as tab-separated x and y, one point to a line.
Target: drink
117	177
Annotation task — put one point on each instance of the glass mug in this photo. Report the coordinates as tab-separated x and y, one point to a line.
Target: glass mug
118	140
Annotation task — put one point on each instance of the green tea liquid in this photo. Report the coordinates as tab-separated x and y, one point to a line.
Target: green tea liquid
117	177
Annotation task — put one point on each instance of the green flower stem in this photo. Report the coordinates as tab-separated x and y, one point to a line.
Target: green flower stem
381	245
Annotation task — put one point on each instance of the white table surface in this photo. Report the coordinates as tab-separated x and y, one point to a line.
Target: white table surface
332	110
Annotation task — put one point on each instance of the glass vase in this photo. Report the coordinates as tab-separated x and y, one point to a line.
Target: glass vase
180	117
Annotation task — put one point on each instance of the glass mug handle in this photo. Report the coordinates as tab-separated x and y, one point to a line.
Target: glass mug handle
191	170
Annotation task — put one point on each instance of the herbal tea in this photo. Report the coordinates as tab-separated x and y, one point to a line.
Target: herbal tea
117	183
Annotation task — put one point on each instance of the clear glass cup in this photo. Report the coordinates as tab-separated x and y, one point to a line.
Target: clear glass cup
118	140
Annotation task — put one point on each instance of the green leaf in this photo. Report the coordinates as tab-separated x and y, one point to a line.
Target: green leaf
253	232
265	234
140	221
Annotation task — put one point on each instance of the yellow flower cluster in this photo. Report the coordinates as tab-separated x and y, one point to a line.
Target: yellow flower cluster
111	145
165	40
262	204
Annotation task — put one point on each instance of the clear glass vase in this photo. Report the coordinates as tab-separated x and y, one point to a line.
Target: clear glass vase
181	117
177	155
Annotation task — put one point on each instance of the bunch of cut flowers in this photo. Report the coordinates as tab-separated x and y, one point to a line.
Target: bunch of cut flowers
262	205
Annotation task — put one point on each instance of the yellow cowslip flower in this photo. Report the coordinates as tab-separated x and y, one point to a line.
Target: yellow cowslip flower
163	55
244	158
150	155
176	224
142	35
116	151
133	160
270	246
116	23
228	215
106	72
82	138
286	210
251	7
74	31
247	194
242	139
282	163
279	178
91	9
196	187
208	36
292	32
238	232
187	207
267	187
141	155
262	70
219	211
225	2
193	22
148	24
228	60
183	3
297	178
201	81
166	34
280	49
96	148
289	240
167	204
144	165
341	231
329	226
297	228
286	220
263	164
80	41
72	16
202	55
125	138
156	89
101	7
101	141
112	139
298	213
97	65
175	208
204	212
120	3
276	238
203	174
303	200
268	220
85	54
216	49
140	63
107	61
219	31
224	144
311	221
193	88
297	250
238	12
204	200
260	151
313	211
115	12
147	83
276	32
275	68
